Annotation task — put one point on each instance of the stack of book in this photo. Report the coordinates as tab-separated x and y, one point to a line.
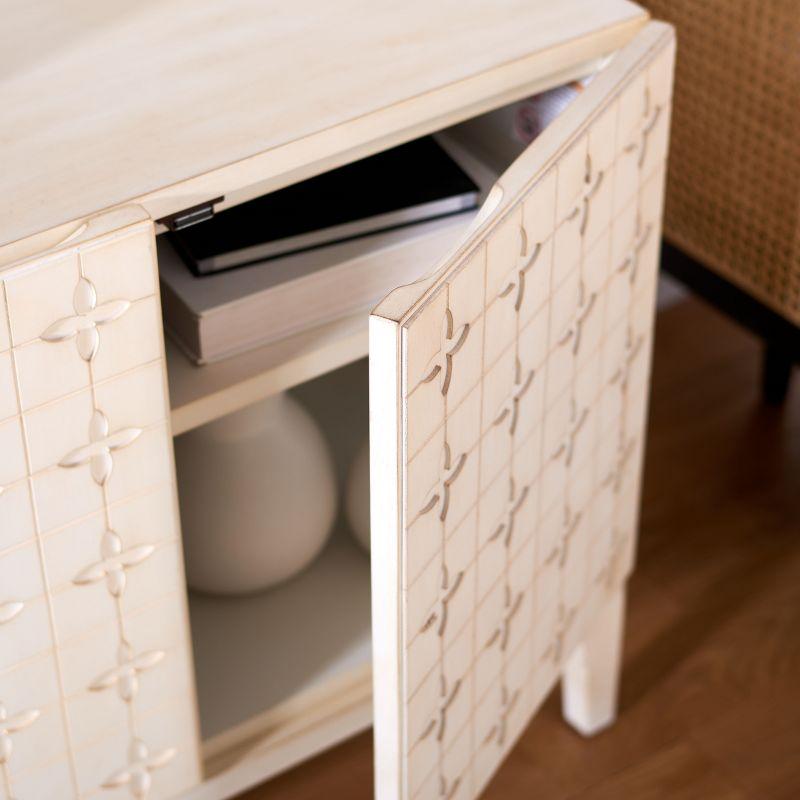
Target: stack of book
313	252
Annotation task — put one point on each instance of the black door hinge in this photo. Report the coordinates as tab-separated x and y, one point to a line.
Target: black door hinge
190	216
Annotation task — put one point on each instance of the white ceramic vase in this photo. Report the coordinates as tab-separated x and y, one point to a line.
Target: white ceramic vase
356	502
257	497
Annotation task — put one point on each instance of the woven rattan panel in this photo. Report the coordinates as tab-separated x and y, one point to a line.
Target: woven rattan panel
733	192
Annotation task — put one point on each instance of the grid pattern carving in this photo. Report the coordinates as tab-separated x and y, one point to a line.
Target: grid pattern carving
525	391
95	681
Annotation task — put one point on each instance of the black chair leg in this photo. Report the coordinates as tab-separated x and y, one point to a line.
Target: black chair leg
776	374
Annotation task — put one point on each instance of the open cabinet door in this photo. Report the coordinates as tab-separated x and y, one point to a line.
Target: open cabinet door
508	396
96	684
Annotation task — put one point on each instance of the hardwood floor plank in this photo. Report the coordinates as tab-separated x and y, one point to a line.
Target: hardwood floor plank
757	744
679	772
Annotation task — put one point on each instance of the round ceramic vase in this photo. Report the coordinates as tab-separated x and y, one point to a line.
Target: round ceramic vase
356	503
257	497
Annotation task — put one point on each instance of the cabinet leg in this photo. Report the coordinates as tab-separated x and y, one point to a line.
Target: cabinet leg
590	676
776	373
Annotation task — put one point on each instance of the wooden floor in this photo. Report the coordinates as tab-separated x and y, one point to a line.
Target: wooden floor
710	699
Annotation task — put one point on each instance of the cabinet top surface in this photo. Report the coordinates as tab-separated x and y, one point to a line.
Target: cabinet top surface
106	103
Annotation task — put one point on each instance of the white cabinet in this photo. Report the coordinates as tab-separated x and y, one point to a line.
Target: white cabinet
508	397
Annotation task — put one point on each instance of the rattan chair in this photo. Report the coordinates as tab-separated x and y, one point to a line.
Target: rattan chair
732	216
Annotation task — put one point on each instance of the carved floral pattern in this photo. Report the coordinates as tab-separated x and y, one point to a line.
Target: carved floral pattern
645	128
114	563
555	650
592	181
567	446
560	553
88	317
440	494
613	571
125	676
511	606
84	327
9	610
13	724
498	731
575	330
516	281
438	723
136	774
440	613
452	340
515	503
510	409
631	260
101	445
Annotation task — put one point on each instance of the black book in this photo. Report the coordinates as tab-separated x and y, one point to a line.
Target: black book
408	184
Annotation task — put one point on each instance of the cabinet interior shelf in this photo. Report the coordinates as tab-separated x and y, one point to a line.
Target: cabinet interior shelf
202	394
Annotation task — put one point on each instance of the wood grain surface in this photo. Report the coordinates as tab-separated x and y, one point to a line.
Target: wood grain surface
710	698
181	101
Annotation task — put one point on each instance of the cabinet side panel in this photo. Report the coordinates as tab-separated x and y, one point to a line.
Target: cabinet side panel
386	449
524	375
95	659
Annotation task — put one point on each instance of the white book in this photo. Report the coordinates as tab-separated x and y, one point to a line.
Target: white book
216	316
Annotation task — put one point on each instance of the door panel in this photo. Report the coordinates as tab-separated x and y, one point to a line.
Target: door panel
508	399
95	669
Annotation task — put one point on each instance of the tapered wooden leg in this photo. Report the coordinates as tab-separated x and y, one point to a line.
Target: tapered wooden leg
591	674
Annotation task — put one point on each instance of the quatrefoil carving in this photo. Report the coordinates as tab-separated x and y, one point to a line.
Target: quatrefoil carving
114	563
9	610
447	697
499	730
592	180
89	316
125	676
440	614
515	503
450	342
10	724
611	574
645	128
575	329
137	773
101	445
448	790
560	552
555	650
440	494
631	260
511	606
624	453
510	409
633	346
567	446
516	280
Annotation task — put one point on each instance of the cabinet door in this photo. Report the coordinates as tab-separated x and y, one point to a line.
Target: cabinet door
96	685
508	398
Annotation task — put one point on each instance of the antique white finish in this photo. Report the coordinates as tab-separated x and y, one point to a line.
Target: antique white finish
92	515
83	326
591	673
508	396
508	390
240	106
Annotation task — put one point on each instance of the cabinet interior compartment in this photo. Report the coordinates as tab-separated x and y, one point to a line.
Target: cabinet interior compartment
286	673
272	663
484	146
